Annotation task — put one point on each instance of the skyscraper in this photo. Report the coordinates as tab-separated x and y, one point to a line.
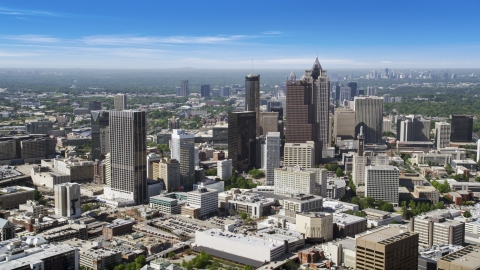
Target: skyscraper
241	140
120	102
353	88
369	115
183	149
272	156
442	134
67	200
411	128
345	93
100	134
462	126
128	155
381	183
94	105
252	98
205	90
183	91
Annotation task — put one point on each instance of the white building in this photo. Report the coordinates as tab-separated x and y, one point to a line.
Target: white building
182	148
299	154
381	183
224	169
271	156
387	125
302	203
253	204
205	199
296	180
67	200
442	134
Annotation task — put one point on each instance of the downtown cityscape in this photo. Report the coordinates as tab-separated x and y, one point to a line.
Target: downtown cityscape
126	146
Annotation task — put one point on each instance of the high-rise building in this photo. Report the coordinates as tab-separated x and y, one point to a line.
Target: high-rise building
152	162
411	128
345	93
225	91
242	140
100	134
381	183
183	91
173	123
369	115
205	90
442	134
299	154
371	91
268	122
296	180
252	98
183	150
128	156
361	160
462	127
40	127
224	168
387	248
272	156
67	200
308	109
169	172
344	124
435	229
120	102
94	105
353	88
276	106
204	198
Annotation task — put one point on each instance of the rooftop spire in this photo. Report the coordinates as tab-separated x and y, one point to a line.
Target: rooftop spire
317	64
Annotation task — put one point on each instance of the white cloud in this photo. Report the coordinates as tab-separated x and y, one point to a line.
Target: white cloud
272	33
385	62
9	11
130	40
31	38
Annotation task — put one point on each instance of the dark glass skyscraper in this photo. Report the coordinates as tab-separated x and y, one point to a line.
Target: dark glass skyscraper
252	97
205	90
100	134
353	89
241	140
462	127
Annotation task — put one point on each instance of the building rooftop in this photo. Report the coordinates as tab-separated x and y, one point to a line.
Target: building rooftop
386	235
300	198
36	254
467	258
14	189
346	219
119	222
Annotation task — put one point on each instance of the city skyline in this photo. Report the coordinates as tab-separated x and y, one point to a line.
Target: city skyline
226	35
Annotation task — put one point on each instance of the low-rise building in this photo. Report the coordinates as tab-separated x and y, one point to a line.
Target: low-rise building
93	256
467	258
12	197
52	256
315	225
345	225
377	218
117	227
428	257
302	203
205	199
46	177
80	170
336	188
65	232
335	206
166	204
427	193
32	208
470	164
253	204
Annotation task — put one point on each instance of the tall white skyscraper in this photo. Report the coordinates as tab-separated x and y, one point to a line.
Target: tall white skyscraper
128	156
442	134
224	168
381	183
120	102
67	200
271	156
183	149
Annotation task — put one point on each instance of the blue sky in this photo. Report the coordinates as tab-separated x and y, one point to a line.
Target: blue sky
229	34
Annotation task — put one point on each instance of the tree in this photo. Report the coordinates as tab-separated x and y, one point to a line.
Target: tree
140	261
119	267
36	195
467	214
243	215
171	254
255	173
339	172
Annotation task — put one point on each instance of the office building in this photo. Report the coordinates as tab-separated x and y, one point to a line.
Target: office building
299	154
307	109
411	128
360	161
387	248
173	123
442	134
33	208
345	225
381	183
272	156
7	230
344	124
205	90
295	180
183	90
369	115
93	256
183	150
205	199
11	197
67	200
94	105
41	127
345	93
120	102
100	134
269	123
252	98
80	170
242	140
128	163
435	229
254	204
225	91
224	169
316	226
371	91
467	258
462	128
387	125
302	203
353	89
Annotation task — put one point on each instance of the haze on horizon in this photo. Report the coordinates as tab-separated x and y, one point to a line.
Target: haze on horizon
228	35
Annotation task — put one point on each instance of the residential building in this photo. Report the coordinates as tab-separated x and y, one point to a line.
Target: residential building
295	180
462	128
120	102
442	134
299	154
242	140
12	197
387	248
224	169
435	229
360	162
183	150
369	115
128	156
67	200
252	98
381	183
315	225
272	156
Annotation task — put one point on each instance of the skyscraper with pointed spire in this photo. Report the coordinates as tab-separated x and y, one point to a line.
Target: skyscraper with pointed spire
307	109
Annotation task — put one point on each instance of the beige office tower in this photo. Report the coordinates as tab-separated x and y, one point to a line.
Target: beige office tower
268	122
467	258
388	248
67	200
120	102
128	156
361	161
169	172
299	154
436	230
442	134
344	124
369	115
315	225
